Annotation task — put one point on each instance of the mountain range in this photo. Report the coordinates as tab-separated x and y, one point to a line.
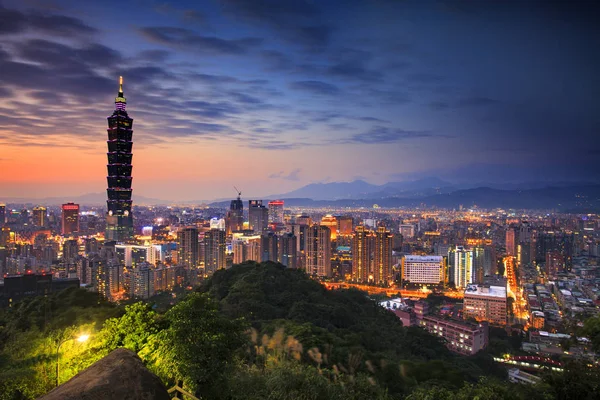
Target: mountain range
426	192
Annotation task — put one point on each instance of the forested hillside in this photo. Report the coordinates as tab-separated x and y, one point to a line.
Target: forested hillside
258	331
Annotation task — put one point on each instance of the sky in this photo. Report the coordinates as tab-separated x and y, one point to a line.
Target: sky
271	95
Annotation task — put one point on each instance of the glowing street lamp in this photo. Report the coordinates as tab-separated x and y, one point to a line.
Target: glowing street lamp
80	339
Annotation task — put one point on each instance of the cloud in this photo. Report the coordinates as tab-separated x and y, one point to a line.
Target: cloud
185	38
298	21
292	176
14	21
382	134
316	87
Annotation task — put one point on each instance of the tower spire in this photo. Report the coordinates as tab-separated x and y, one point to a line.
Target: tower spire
120	100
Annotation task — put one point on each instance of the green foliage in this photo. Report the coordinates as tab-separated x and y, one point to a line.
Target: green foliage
199	345
591	329
132	330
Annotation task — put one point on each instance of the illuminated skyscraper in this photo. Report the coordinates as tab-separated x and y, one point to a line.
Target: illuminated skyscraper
318	251
463	266
257	216
235	216
511	241
214	251
70	218
276	212
331	222
382	260
187	246
119	219
40	216
362	250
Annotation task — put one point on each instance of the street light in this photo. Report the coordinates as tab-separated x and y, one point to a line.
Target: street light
80	339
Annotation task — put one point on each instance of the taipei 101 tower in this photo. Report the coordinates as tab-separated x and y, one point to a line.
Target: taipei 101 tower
119	219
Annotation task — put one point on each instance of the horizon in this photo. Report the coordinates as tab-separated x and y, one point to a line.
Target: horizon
270	97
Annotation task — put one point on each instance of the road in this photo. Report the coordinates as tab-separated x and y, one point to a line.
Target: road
392	291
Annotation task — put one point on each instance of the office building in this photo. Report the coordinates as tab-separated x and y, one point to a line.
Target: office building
187	247
460	337
269	244
142	282
214	251
276	212
382	257
70	251
246	248
2	214
331	222
486	303
40	216
70	218
133	255
362	254
511	241
287	250
462	266
428	270
234	221
119	218
318	251
258	216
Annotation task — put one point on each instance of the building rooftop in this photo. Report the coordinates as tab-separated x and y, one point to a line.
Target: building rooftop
436	259
486	291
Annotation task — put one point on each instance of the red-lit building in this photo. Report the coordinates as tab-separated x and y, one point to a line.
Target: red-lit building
70	218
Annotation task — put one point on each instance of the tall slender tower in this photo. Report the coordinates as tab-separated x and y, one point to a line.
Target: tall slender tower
119	220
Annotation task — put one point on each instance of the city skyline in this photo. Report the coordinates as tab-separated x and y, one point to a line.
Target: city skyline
271	96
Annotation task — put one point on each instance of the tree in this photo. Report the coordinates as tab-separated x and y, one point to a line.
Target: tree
198	347
591	328
132	330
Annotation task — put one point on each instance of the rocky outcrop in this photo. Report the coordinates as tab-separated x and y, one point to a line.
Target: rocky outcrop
119	375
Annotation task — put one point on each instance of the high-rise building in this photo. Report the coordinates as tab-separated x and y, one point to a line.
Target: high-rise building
427	270
511	241
70	251
246	248
382	259
70	218
187	246
555	264
345	225
362	253
2	214
407	230
119	219
258	216
318	251
331	222
462	265
287	250
235	216
40	216
269	243
214	251
485	303
276	212
142	281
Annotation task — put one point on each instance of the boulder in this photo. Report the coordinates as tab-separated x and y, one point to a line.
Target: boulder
119	375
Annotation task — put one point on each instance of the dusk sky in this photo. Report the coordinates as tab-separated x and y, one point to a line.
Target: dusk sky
270	95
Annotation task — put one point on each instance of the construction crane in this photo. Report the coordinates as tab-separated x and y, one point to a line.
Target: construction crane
238	192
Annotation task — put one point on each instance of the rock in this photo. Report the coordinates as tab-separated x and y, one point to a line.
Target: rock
119	375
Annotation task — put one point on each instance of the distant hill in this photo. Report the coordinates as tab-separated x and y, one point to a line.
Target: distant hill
585	197
360	189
